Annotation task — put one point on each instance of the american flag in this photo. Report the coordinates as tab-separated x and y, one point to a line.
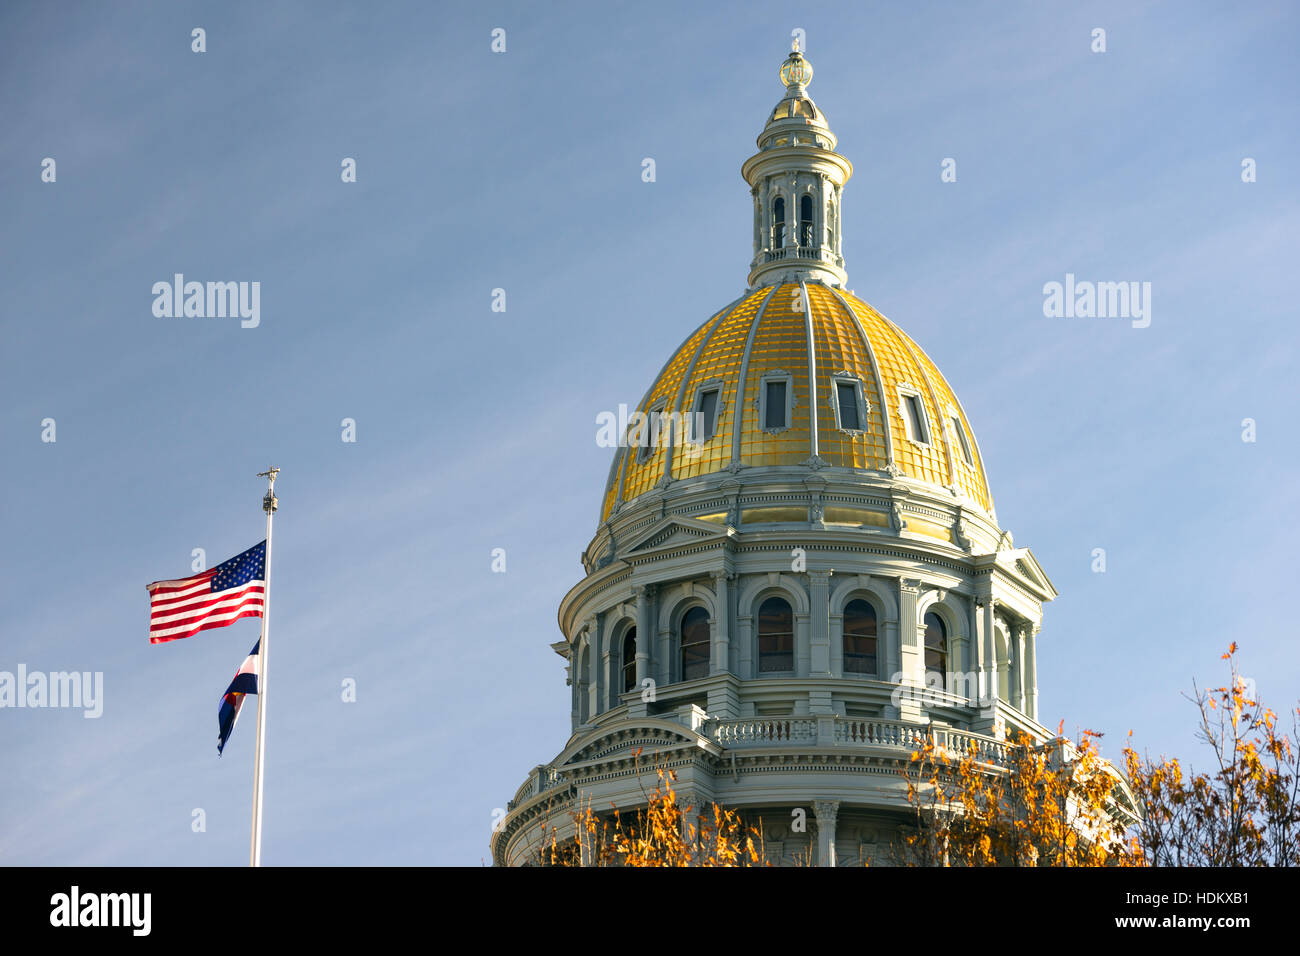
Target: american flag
215	598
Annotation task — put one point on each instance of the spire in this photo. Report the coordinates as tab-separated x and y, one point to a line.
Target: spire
796	179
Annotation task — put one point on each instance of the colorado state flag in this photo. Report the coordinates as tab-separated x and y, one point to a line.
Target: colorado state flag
245	682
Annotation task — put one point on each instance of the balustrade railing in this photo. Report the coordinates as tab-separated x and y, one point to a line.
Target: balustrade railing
885	733
794	252
852	732
763	730
831	731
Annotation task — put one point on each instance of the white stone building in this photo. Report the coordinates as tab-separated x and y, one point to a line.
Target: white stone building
798	573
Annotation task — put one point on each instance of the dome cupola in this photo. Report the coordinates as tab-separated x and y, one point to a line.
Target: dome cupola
796	179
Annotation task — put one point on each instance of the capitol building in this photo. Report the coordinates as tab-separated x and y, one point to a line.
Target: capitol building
798	575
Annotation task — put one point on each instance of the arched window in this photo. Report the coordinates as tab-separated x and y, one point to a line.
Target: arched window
936	649
805	221
778	222
860	638
628	660
775	636
694	640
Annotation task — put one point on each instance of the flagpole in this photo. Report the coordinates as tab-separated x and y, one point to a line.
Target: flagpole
269	504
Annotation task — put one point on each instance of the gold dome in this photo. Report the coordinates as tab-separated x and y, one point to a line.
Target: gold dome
765	335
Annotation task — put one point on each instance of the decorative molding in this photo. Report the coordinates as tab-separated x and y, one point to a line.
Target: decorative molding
897	522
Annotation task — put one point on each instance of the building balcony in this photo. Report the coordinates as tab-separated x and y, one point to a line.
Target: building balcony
822	734
798	252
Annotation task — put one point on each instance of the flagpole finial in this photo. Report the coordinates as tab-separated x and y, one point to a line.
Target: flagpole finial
270	502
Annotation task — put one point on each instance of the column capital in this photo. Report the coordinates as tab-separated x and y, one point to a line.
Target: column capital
688	795
826	811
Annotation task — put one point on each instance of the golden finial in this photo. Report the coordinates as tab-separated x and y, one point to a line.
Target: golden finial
796	72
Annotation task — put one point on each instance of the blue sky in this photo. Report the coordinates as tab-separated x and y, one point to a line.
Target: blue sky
476	429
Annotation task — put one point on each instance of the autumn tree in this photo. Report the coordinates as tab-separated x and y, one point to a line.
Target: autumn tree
664	832
1243	811
1053	803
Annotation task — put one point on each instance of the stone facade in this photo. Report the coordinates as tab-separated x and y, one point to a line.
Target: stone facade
800	728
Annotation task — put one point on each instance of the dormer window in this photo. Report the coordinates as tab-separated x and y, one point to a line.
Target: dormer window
774	402
962	441
849	404
705	423
775	417
914	418
649	434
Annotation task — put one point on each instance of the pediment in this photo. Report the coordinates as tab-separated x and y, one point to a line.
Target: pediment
673	532
1023	567
1023	564
623	741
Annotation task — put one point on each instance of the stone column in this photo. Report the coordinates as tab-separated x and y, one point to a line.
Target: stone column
746	667
819	215
720	659
644	629
989	654
792	212
837	215
689	797
802	645
837	642
572	676
911	651
819	593
827	812
644	595
1031	671
765	205
599	664
819	639
1019	633
663	656
723	701
582	667
974	663
892	636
